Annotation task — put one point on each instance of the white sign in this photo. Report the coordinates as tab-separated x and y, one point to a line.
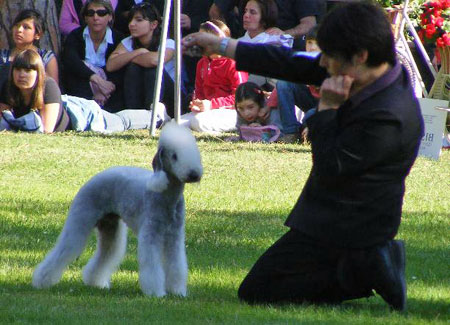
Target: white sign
434	112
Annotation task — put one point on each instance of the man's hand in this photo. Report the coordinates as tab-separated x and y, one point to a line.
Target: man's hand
274	31
185	21
334	91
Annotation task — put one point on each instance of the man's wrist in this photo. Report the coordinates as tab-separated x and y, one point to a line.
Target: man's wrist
223	45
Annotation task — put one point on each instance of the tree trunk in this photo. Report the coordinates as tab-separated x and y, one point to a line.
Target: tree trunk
47	8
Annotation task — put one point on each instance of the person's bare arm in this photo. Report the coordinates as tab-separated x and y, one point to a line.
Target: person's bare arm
150	59
52	69
121	57
305	25
209	43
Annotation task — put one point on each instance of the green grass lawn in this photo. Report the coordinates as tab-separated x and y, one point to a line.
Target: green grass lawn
232	216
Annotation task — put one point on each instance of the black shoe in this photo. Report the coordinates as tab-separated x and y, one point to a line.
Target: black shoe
389	273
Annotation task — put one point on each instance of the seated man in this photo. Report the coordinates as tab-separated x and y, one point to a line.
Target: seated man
364	139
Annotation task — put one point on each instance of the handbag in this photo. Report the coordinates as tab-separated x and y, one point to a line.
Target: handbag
30	122
266	133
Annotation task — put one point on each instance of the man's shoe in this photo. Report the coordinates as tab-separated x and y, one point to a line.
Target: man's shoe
389	273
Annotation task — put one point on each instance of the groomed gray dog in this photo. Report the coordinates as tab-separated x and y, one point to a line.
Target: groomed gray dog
150	203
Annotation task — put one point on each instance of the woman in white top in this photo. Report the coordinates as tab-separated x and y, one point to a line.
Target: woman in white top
138	54
259	16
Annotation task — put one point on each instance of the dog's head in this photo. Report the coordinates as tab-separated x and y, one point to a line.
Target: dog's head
178	155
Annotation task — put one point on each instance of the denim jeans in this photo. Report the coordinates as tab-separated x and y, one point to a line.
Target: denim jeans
128	119
290	95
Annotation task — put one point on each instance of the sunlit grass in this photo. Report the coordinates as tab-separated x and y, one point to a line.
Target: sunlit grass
233	215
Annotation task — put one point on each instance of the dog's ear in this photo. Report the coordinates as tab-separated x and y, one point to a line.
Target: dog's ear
157	163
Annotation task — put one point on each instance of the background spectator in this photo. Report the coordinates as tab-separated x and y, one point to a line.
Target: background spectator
138	54
70	16
212	106
86	51
27	28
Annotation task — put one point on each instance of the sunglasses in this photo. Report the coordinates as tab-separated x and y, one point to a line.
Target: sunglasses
100	12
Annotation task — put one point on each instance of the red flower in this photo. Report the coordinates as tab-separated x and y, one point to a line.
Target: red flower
446	38
439	22
434	22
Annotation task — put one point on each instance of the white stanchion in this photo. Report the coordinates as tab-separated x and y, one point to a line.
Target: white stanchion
161	56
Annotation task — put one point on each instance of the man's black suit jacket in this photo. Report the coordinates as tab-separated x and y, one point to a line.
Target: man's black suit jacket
362	152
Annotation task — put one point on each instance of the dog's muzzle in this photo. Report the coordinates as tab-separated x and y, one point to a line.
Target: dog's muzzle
193	177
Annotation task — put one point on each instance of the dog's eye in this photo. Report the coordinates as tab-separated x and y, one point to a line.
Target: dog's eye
174	157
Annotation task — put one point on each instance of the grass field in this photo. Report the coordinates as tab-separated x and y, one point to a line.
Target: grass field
233	215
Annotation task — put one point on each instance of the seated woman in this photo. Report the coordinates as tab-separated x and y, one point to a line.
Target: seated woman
84	58
259	16
71	18
30	91
27	28
212	107
138	55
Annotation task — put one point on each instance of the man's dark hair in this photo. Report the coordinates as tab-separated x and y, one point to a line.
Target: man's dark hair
353	27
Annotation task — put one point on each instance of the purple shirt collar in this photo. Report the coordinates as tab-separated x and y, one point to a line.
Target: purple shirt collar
381	83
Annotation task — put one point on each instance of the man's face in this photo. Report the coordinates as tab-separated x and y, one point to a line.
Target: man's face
336	66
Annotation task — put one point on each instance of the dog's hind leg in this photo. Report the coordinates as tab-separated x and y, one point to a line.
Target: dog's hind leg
69	246
111	248
151	273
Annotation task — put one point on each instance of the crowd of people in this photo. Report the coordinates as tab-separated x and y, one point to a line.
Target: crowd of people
361	117
110	51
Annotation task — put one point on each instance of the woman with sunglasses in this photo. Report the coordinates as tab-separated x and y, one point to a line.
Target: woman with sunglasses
29	90
138	55
86	51
27	28
70	17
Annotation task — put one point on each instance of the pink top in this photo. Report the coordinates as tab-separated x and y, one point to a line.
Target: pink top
68	19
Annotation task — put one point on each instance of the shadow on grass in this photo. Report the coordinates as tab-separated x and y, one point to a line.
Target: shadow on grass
237	241
201	138
216	298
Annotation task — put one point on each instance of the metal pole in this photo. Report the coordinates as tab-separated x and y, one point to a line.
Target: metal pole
160	67
178	57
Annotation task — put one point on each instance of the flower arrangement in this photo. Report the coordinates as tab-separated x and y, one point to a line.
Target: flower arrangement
435	23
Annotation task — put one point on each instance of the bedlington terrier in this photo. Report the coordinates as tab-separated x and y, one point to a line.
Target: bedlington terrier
150	203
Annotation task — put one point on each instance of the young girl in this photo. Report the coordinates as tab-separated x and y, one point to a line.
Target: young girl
138	54
212	106
29	90
27	28
252	110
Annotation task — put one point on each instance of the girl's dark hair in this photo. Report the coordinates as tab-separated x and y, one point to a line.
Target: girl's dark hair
105	3
149	12
249	90
28	59
216	27
269	12
39	24
348	29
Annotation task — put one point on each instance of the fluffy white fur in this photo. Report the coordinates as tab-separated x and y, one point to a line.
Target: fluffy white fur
151	204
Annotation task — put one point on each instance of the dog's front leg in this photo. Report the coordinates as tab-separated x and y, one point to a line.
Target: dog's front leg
175	263
151	273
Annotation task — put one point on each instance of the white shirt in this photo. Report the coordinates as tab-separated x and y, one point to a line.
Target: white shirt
281	40
170	45
97	59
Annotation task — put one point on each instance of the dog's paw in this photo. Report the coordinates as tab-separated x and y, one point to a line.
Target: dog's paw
178	291
158	182
44	278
